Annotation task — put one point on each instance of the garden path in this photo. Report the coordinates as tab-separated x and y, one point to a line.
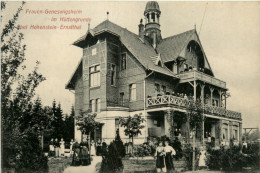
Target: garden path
82	169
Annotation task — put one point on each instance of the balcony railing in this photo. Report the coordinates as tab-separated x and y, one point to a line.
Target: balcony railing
184	103
196	75
117	102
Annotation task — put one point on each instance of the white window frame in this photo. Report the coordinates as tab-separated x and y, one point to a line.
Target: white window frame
94	76
98	105
132	92
93	105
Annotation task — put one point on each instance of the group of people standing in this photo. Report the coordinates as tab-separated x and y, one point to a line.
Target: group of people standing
57	148
164	157
82	151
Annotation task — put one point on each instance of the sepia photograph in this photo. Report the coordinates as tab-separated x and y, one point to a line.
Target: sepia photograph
130	86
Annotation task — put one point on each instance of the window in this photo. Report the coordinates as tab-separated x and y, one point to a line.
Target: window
216	103
123	62
225	133
92	106
113	74
98	105
132	88
116	124
94	76
235	133
122	99
157	88
164	89
94	51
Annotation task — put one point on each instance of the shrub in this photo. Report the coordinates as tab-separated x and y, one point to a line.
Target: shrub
142	150
112	162
232	159
187	153
176	144
31	157
214	158
119	145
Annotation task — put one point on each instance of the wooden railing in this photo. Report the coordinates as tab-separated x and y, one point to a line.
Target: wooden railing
117	102
196	75
184	103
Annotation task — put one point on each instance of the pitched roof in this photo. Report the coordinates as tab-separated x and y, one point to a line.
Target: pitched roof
141	49
171	47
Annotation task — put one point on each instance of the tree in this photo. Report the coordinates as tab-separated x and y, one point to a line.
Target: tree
132	125
119	144
112	161
58	123
69	125
195	119
86	123
17	92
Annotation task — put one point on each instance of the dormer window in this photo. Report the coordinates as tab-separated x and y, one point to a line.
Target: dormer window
158	61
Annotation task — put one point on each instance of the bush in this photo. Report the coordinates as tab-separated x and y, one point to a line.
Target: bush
232	159
119	145
214	158
176	145
31	158
112	162
187	153
142	150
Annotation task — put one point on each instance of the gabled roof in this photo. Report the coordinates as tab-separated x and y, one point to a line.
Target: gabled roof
73	78
171	47
141	49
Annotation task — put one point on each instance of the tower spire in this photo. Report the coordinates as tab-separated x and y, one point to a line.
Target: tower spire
152	22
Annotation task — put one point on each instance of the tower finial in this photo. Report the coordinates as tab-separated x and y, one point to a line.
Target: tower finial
141	21
107	14
88	26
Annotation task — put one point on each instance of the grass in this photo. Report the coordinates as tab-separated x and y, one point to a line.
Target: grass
139	166
57	165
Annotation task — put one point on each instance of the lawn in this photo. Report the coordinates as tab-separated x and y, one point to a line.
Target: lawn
57	165
143	165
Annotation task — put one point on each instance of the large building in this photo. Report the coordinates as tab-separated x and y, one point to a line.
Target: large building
122	73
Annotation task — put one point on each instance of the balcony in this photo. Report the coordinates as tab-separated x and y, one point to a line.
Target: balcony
117	102
170	100
196	75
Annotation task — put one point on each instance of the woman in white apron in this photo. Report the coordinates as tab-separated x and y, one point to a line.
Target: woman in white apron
93	148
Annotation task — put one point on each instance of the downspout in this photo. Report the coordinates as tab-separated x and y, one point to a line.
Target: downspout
145	116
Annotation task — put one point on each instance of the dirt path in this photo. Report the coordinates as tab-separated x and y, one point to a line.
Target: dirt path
84	169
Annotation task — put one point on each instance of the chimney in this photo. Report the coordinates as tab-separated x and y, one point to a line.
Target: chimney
141	29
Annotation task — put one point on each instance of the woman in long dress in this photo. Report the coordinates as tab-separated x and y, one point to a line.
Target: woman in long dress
202	158
99	147
56	147
52	152
71	144
84	153
93	148
76	153
170	152
159	155
62	147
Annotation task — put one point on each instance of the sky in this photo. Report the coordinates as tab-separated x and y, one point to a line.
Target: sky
229	33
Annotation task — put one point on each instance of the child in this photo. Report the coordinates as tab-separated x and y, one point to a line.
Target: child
202	158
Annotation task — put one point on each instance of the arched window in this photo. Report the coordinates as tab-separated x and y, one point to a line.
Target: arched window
153	17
